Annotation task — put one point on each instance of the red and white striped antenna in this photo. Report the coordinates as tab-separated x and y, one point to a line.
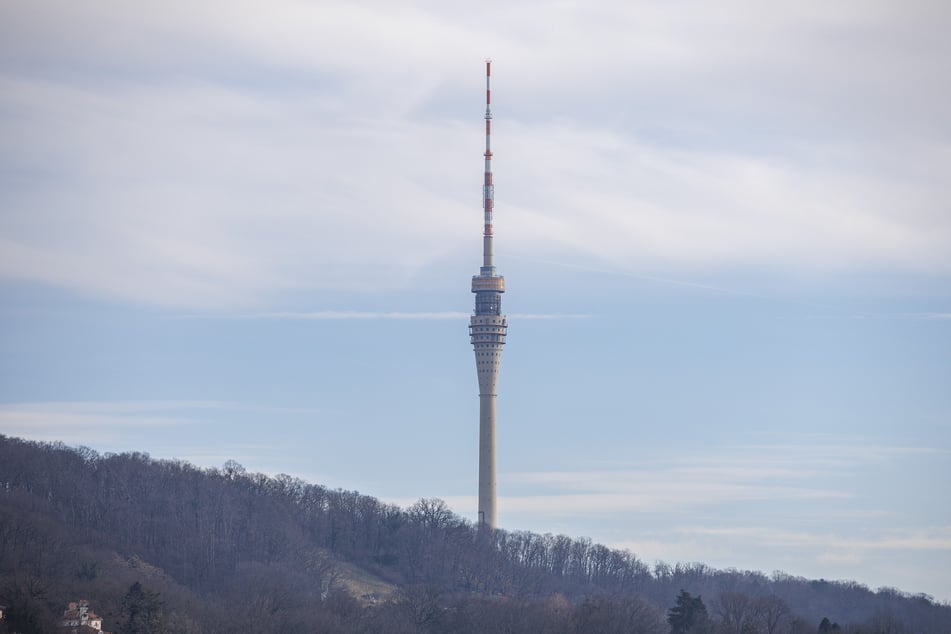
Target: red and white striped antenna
488	189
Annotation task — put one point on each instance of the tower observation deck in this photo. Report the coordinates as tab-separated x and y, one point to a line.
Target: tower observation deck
487	329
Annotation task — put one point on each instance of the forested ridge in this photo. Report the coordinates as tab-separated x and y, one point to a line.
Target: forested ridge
164	546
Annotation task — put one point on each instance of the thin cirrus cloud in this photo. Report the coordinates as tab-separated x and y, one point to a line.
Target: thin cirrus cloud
646	492
108	422
345	315
932	538
94	422
735	474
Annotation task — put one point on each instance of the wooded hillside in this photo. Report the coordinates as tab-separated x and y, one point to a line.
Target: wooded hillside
224	550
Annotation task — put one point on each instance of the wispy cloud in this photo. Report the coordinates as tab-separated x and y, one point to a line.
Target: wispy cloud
664	490
335	315
721	476
119	408
669	281
933	538
344	315
674	497
551	316
835	453
927	316
87	422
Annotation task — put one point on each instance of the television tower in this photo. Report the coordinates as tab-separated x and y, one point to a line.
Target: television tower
487	328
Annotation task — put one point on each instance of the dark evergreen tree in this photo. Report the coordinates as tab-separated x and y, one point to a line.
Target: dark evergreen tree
142	611
828	627
689	615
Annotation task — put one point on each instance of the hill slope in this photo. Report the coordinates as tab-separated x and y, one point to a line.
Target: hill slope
228	551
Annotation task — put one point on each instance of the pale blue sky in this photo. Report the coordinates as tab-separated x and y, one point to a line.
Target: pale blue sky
246	232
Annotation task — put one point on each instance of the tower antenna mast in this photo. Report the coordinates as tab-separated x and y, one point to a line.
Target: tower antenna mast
487	330
488	188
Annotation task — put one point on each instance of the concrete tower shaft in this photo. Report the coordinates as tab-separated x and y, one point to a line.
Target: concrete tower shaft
487	329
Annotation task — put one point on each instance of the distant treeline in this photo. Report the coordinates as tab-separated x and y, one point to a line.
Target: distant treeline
224	550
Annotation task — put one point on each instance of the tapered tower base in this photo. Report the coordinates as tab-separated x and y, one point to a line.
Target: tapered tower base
487	510
487	333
